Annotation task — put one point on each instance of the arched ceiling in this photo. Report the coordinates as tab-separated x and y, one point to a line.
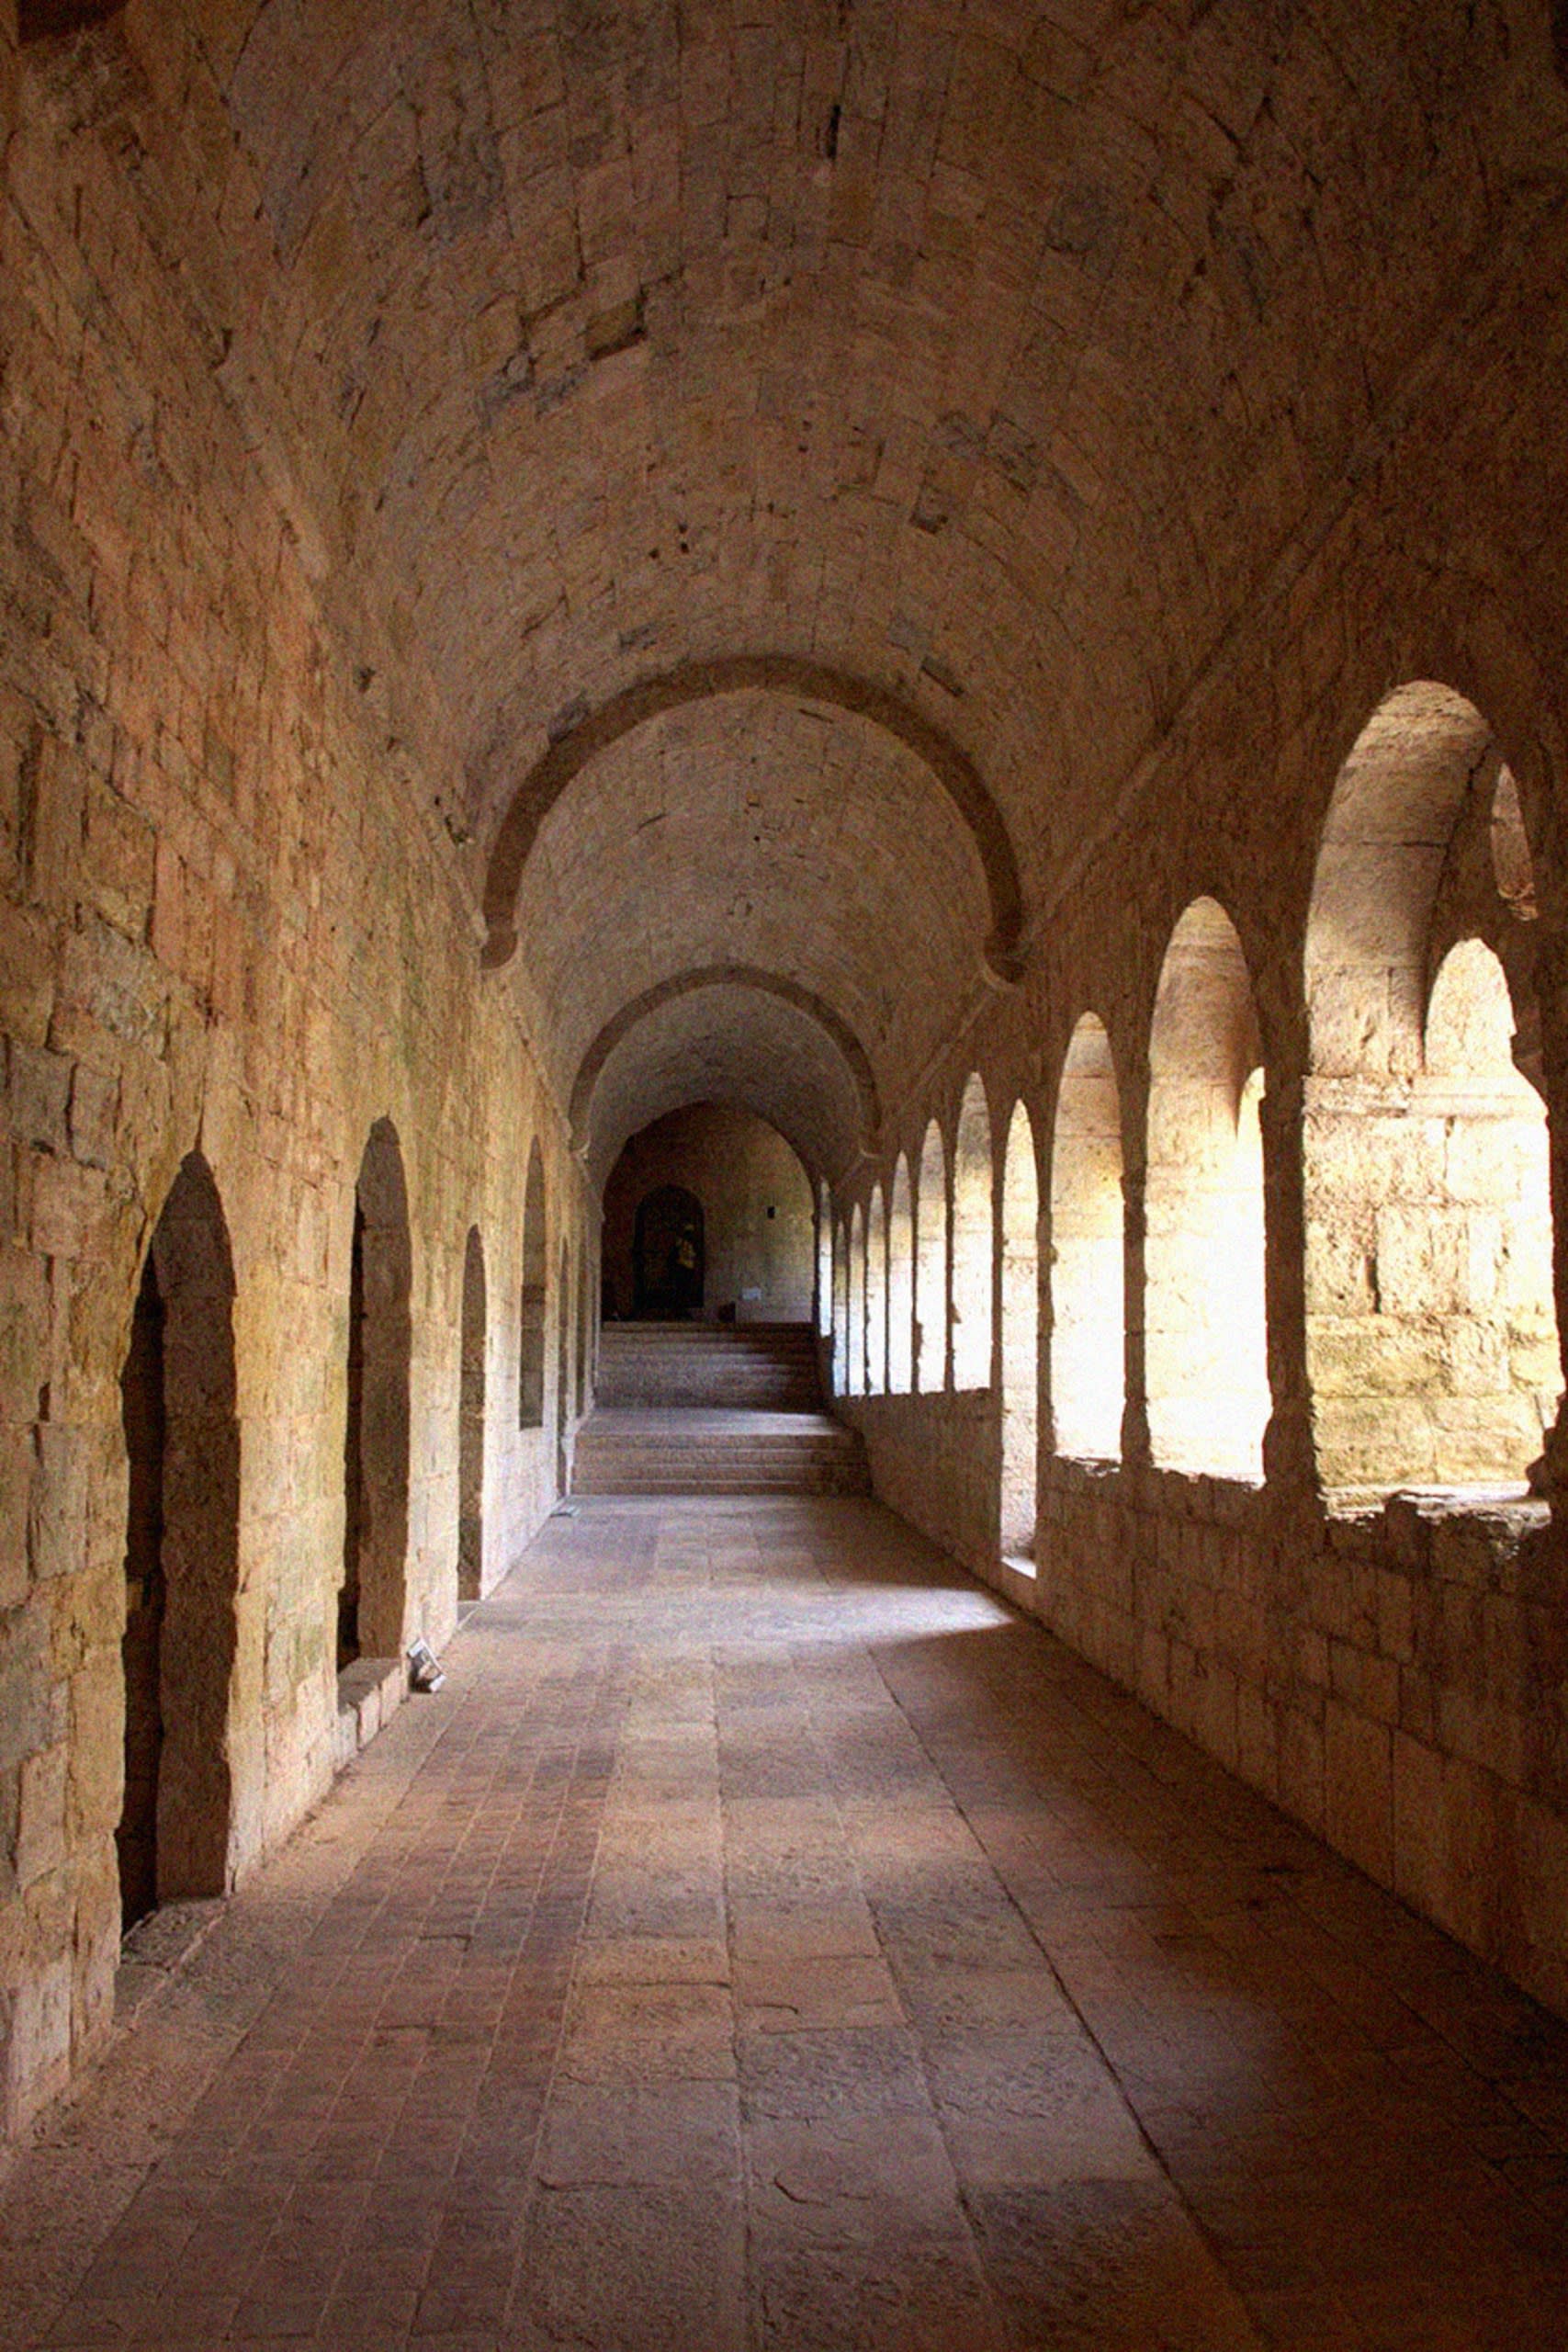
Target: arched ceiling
727	1044
720	981
755	830
990	356
963	797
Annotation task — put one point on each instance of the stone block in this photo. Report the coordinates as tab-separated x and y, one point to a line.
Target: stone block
1420	1825
38	2048
1358	1788
94	1098
41	1826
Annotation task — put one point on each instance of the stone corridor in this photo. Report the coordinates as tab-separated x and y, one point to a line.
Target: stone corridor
768	1939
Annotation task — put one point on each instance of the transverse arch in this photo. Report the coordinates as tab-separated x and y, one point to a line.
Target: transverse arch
952	769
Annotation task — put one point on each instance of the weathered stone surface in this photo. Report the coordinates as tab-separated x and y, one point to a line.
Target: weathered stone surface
1046	458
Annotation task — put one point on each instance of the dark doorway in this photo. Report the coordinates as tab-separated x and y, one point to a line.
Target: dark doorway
670	1254
376	1440
182	1437
471	1424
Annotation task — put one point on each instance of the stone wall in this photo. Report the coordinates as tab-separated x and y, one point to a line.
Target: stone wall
222	928
1390	1672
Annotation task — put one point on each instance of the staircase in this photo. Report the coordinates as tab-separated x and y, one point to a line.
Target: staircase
766	1367
707	1408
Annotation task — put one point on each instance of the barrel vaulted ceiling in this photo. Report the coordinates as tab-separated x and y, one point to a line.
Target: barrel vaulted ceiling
986	355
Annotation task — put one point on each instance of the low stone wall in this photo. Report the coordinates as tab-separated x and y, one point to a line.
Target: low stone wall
1394	1676
936	1461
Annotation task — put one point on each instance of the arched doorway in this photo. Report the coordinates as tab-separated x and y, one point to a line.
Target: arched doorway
376	1440
471	1423
669	1255
182	1437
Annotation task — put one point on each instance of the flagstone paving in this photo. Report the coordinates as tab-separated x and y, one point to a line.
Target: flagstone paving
769	1940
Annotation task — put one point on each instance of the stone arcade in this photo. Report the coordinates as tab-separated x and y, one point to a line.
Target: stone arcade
803	770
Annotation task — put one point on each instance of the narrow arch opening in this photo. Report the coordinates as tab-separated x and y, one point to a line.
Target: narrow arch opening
533	1304
930	1266
1020	1340
1432	1350
182	1434
974	1212
1088	1346
564	1298
471	1423
877	1295
371	1596
1205	1349
900	1285
857	1304
824	1301
840	1311
1512	866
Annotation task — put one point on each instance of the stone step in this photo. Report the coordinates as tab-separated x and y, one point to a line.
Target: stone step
675	1451
767	1365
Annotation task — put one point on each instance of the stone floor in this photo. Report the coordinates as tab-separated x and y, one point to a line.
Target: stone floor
767	1940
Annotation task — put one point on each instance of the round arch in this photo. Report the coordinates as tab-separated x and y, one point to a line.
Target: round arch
779	674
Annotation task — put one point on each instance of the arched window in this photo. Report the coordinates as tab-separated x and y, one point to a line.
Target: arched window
841	1312
375	1444
471	1423
824	1261
876	1296
857	1304
1087	1320
973	1211
1431	1337
535	1303
1020	1338
900	1285
182	1555
1204	1329
930	1265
